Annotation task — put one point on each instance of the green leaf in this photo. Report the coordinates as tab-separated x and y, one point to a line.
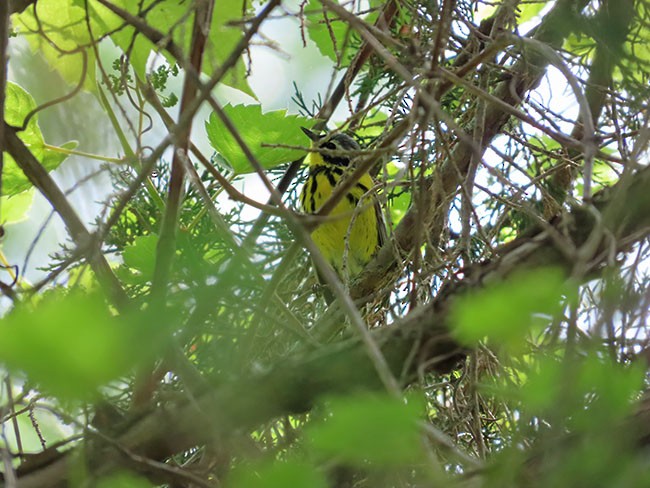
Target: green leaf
529	11
327	31
141	255
175	18
257	128
277	475
70	343
611	387
567	388
369	428
18	104
14	208
122	480
542	388
504	312
222	40
65	24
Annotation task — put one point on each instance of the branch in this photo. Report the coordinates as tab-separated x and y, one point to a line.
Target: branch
525	76
384	21
294	384
167	240
4	37
614	26
80	235
17	6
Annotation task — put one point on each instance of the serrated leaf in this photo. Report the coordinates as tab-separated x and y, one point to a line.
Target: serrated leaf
277	475
505	311
326	30
18	104
257	128
222	40
369	428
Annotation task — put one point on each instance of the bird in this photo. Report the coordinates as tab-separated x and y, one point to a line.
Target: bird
355	230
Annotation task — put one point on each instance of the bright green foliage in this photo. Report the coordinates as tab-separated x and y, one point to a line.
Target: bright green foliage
369	428
277	475
589	395
15	207
504	312
141	255
274	127
398	198
333	36
17	105
172	16
521	382
553	385
67	29
123	480
528	11
65	24
70	344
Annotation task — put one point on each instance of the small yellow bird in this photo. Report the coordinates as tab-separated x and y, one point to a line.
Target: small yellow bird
357	230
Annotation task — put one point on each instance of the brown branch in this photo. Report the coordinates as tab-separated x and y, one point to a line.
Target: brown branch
525	76
614	24
148	376
295	383
80	235
167	239
17	6
384	21
4	38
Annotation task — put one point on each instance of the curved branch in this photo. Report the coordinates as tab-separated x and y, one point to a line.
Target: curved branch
294	384
525	76
80	235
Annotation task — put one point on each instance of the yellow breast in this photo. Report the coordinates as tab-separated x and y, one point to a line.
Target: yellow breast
350	239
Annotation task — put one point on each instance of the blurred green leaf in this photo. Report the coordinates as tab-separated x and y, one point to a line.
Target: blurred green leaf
257	128
141	255
611	387
504	312
288	474
67	30
608	388
18	104
15	207
123	480
223	38
601	460
528	11
543	387
66	27
369	428
71	344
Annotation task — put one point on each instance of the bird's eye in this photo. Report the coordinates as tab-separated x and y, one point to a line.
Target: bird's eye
329	145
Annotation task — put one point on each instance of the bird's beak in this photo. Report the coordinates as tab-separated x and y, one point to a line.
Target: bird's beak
312	135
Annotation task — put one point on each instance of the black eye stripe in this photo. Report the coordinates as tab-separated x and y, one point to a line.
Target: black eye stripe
329	145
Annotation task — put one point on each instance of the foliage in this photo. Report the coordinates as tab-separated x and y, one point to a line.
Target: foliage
499	338
269	129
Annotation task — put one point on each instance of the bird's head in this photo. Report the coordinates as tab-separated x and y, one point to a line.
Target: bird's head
335	147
